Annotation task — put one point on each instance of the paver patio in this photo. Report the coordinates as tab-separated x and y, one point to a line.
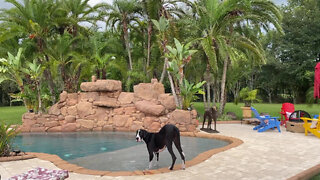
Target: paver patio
267	155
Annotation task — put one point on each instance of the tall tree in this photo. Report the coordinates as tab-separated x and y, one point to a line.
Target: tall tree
119	16
223	24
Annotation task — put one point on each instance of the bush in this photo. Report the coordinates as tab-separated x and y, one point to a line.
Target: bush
7	135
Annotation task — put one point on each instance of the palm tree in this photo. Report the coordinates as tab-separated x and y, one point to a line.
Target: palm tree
223	24
121	15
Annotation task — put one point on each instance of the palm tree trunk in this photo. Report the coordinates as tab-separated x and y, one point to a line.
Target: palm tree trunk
149	43
126	39
223	85
208	95
204	98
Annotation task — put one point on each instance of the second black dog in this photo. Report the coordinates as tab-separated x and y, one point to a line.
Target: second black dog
210	114
157	142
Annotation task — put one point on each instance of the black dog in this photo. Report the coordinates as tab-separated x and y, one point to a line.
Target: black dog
210	114
157	142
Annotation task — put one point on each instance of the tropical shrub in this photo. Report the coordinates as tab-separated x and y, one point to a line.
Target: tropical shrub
189	91
7	135
248	96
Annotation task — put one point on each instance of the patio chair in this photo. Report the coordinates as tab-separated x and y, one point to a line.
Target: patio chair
266	122
286	110
312	127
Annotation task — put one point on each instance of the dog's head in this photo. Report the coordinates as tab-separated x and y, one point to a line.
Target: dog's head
140	135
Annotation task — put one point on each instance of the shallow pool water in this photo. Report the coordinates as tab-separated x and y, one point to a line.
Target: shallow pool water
112	151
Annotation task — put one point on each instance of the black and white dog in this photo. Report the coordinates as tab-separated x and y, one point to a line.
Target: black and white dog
157	142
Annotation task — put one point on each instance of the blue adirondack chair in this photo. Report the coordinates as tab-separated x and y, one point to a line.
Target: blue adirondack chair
272	122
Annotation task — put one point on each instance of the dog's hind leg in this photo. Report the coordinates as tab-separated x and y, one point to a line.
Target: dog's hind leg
204	120
178	146
169	146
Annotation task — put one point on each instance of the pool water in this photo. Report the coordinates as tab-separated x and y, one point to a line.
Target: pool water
73	145
111	151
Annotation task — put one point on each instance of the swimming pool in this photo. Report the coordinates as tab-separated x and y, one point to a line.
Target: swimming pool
108	151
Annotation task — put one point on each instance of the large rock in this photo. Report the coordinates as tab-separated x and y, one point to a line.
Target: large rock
120	120
167	101
84	109
69	127
88	124
151	108
54	110
179	116
148	91
155	127
89	96
72	99
106	102
136	125
126	98
101	85
70	119
63	97
72	110
147	121
29	116
55	129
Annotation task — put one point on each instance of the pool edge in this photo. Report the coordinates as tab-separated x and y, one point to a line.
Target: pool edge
62	164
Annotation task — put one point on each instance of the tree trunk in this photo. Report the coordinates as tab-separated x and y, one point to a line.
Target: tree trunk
173	89
223	85
149	43
126	39
49	79
164	70
208	95
213	96
204	98
269	97
39	97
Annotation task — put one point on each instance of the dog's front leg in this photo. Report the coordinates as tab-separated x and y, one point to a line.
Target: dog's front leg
150	159
157	156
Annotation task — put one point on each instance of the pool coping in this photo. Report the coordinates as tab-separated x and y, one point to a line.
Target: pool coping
62	164
306	174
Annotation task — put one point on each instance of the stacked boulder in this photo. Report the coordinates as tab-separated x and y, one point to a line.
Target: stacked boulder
102	106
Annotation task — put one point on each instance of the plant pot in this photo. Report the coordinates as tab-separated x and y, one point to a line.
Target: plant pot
246	112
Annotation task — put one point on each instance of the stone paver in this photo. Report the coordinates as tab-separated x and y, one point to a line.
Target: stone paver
268	155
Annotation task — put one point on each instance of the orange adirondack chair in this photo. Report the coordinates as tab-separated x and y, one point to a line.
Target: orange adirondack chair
286	110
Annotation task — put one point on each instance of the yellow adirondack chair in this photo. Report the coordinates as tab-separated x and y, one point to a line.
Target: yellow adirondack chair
313	127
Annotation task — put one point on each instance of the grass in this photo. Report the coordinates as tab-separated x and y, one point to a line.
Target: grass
12	115
272	109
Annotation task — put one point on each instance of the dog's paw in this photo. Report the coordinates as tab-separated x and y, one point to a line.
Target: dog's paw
170	168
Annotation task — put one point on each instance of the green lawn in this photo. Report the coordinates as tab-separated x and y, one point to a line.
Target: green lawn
12	115
272	109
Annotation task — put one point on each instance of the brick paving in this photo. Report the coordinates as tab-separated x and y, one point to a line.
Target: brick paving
268	155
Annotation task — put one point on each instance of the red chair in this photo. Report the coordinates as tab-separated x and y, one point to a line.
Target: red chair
286	110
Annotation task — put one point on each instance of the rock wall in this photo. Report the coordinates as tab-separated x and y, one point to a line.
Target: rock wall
102	106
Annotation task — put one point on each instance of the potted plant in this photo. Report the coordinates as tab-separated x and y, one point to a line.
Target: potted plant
248	96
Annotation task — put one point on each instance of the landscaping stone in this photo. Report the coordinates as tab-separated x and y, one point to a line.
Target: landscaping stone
126	98
103	107
151	108
101	85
